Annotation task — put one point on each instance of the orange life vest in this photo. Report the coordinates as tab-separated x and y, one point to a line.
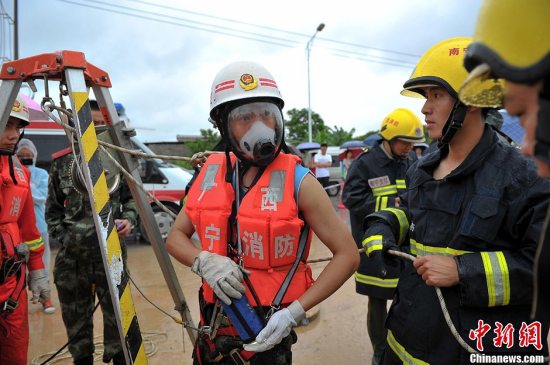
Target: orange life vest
13	197
268	223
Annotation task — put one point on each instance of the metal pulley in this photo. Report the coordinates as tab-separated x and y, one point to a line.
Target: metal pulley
112	171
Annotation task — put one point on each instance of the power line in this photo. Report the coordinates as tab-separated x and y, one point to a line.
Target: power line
362	55
366	59
219	18
246	36
278	41
306	36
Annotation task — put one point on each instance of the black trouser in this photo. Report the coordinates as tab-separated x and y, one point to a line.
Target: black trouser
324	180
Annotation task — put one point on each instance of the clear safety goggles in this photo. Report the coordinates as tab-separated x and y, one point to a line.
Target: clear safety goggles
246	114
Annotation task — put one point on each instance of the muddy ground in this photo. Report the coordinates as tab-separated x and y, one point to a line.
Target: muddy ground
336	335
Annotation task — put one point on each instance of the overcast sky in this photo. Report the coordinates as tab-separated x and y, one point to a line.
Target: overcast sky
163	58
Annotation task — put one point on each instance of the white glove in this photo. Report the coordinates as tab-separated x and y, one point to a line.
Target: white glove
278	327
221	273
39	285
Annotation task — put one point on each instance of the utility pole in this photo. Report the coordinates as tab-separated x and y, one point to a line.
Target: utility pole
308	49
15	32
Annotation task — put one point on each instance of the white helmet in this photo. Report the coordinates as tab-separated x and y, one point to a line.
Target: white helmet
20	110
246	105
242	80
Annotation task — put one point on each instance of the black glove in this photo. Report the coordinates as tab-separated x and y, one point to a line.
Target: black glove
377	240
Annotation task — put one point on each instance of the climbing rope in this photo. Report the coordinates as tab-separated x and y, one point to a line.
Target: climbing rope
151	348
444	309
197	159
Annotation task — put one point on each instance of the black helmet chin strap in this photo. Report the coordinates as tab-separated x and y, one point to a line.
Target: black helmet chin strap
453	124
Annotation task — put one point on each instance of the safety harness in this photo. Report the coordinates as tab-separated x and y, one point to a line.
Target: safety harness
221	336
12	265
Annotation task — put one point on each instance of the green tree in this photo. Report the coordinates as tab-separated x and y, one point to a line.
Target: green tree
297	126
338	135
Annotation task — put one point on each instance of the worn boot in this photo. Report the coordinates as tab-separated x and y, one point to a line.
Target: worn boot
88	360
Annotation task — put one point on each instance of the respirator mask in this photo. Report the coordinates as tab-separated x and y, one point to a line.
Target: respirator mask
255	132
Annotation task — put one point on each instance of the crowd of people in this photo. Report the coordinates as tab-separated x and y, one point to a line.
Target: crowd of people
454	234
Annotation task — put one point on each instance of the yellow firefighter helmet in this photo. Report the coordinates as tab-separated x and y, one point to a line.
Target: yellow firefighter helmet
402	124
511	41
442	65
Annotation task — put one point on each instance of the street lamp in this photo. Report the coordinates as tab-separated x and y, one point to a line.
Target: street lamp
308	48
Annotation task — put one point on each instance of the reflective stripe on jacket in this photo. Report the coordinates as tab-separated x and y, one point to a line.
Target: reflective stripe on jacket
373	182
487	214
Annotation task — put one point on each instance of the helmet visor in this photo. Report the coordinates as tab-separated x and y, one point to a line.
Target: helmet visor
481	89
255	130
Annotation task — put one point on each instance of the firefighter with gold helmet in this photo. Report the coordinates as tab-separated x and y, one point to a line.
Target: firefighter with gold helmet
374	182
471	216
21	246
252	208
511	42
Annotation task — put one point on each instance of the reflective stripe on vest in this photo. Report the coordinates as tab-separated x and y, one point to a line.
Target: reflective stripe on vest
209	203
376	281
400	351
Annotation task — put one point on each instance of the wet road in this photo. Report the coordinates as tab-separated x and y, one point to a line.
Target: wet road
337	335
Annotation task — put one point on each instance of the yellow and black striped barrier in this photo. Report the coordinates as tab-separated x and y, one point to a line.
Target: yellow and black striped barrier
94	176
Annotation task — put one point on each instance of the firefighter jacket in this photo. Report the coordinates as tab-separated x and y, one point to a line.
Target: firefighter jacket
17	221
373	182
487	214
269	226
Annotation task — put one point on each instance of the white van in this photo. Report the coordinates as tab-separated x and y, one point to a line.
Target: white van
164	180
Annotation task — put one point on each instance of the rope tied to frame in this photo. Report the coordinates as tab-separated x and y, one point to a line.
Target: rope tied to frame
197	159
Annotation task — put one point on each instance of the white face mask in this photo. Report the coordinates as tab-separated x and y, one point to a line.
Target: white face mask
255	131
259	140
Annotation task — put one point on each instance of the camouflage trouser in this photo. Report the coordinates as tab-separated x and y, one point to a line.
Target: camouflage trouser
79	277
